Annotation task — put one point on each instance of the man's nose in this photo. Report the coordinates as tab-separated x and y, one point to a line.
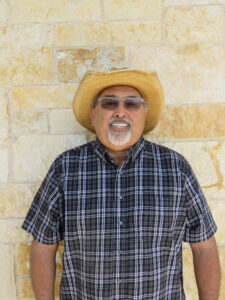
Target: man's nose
120	111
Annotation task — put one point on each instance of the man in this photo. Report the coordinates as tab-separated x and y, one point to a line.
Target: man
121	204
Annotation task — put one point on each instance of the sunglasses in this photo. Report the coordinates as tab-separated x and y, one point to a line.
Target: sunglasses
112	103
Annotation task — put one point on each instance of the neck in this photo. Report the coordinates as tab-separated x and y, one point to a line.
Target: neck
118	156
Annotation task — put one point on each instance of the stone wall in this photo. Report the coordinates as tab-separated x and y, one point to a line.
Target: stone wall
45	48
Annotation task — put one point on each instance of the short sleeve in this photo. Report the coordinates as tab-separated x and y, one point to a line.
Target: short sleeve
200	225
44	218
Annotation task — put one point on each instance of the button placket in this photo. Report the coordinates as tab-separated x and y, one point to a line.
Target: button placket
119	197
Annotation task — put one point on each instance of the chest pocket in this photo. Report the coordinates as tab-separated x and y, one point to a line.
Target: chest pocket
158	221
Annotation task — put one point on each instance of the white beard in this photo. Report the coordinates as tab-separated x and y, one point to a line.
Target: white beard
119	138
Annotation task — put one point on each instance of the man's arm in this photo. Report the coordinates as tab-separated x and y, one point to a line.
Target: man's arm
207	269
43	269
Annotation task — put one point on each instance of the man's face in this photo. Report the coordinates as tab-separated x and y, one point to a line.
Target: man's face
120	128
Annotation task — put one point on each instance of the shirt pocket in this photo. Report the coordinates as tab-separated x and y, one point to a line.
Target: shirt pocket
157	228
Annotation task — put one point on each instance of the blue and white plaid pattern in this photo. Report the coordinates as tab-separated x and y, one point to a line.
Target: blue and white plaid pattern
123	226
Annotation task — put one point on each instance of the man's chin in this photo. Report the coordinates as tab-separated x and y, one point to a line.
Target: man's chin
119	138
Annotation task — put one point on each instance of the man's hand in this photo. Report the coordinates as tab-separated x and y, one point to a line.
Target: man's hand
207	269
43	268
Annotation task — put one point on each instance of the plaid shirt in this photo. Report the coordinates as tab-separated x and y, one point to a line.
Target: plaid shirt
123	226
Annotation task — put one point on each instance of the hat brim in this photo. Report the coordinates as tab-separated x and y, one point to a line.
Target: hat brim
146	82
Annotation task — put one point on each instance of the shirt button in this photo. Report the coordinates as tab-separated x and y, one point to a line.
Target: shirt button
121	197
121	222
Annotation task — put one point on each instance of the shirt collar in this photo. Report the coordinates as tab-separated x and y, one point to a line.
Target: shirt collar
133	151
136	148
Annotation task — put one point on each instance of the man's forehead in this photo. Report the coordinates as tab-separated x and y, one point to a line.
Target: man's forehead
120	88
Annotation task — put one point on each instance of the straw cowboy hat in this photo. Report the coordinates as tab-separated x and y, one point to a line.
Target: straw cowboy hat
146	82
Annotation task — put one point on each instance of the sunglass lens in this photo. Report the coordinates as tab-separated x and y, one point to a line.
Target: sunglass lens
132	104
109	104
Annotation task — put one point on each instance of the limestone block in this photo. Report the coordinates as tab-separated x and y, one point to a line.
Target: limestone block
43	96
218	208
114	33
192	2
15	199
4	165
11	231
207	160
26	65
55	10
194	24
191	121
63	121
22	259
129	10
134	32
26	36
4	11
26	292
59	258
189	73
57	286
4	117
25	289
190	286
73	63
7	278
34	154
214	191
29	122
217	155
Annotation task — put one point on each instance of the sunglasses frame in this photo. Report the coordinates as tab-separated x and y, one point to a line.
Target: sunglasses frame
140	100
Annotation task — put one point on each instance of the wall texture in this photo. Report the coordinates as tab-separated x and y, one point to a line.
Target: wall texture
45	48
